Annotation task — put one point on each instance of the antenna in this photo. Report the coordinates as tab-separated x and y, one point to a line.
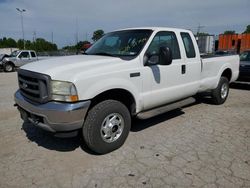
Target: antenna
76	30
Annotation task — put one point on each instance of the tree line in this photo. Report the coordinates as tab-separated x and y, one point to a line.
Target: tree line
82	45
231	32
40	44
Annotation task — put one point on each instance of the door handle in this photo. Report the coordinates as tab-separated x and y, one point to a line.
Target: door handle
183	69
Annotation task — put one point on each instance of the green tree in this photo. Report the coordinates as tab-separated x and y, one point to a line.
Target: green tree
20	44
247	29
41	45
7	43
97	34
229	32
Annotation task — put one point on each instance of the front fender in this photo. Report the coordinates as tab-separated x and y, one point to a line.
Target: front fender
91	89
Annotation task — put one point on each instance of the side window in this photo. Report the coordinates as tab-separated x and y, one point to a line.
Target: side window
33	54
24	55
166	39
188	44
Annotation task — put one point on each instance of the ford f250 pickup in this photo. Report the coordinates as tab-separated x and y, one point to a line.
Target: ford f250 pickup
138	72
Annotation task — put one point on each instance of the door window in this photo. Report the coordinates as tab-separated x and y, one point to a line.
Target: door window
24	55
33	54
164	39
188	44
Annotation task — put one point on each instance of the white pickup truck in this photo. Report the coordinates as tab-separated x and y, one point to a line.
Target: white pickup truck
137	72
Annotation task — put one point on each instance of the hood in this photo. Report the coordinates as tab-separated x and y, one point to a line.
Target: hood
67	67
5	59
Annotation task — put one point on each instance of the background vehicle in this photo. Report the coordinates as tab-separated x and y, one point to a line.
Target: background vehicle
139	72
17	59
2	56
244	66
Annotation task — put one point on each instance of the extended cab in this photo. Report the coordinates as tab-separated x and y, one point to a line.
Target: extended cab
137	72
17	59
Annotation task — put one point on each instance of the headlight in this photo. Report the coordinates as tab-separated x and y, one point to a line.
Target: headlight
63	91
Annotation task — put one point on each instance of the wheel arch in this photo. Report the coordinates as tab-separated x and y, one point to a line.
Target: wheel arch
10	62
119	94
227	73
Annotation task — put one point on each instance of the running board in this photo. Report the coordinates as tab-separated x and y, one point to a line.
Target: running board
166	108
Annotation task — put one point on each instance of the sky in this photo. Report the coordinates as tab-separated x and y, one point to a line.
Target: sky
66	18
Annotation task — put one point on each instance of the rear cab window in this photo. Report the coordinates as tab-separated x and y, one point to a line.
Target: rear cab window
188	44
33	54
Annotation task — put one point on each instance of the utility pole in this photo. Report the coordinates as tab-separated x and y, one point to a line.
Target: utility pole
52	37
76	31
21	14
34	36
86	36
199	29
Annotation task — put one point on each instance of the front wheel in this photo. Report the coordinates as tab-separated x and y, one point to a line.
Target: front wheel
8	67
107	126
220	93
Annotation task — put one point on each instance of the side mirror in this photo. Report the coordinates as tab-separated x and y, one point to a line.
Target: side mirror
165	56
151	59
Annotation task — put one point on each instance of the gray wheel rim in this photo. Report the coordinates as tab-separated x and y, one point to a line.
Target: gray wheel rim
224	91
112	127
8	68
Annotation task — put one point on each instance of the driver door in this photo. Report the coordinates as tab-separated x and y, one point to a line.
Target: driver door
23	58
166	81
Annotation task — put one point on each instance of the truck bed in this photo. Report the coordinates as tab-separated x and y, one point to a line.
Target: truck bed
212	66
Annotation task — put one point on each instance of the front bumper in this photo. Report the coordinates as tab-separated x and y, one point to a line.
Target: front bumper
53	116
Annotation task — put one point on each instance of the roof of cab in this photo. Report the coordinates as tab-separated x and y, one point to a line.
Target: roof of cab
156	29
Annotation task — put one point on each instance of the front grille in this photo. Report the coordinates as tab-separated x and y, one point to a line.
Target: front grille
34	86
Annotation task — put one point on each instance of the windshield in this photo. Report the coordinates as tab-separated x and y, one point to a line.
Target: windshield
121	43
245	56
14	53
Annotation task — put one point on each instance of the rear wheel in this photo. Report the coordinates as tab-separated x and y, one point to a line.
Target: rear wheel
107	126
8	67
220	93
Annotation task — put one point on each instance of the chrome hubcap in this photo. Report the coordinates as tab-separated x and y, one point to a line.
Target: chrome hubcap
224	91
112	127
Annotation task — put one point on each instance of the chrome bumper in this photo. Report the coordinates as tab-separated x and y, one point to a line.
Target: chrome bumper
53	116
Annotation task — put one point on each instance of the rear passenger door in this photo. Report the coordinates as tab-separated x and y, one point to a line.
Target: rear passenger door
191	64
33	56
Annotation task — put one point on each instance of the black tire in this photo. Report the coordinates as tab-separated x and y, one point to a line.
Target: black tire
8	67
217	94
93	133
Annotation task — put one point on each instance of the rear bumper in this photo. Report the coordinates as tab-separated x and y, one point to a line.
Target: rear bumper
53	116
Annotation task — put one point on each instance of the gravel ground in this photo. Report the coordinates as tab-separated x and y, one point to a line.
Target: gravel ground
199	146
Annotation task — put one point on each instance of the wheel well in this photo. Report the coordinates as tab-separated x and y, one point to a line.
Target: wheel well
121	95
227	73
9	62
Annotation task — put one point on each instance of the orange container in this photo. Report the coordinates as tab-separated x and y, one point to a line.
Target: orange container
234	42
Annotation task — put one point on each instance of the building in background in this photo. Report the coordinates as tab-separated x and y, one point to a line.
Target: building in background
206	43
234	42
